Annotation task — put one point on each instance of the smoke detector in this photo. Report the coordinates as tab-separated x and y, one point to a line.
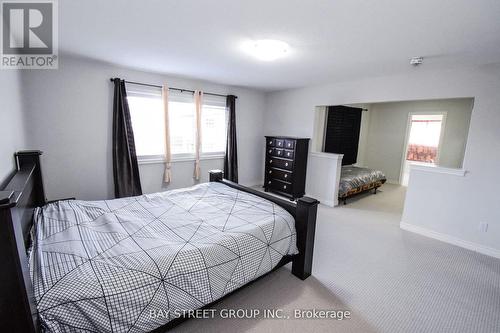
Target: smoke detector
415	61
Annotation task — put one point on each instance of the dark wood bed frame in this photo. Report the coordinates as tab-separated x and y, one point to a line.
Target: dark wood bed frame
24	192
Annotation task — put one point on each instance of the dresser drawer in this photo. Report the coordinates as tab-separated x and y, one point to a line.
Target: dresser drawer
278	152
288	154
279	163
279	174
279	143
279	185
289	144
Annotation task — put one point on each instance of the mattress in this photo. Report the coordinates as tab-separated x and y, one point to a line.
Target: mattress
106	266
355	179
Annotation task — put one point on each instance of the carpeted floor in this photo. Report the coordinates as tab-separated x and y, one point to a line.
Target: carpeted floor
390	280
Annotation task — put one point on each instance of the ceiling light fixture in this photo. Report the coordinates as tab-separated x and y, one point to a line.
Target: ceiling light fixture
415	61
266	49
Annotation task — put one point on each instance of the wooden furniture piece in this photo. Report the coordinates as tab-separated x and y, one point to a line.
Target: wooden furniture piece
24	192
286	163
18	311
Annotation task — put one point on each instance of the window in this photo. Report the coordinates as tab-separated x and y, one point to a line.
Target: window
148	124
146	111
342	129
213	125
423	141
182	124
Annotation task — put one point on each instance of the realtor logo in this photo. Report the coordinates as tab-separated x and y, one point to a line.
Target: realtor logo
29	35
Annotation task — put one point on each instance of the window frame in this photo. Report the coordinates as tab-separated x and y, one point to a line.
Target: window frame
216	101
144	92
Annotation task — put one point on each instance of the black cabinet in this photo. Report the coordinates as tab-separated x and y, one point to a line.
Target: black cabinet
286	163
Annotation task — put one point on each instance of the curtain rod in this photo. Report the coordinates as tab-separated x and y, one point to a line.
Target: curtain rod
170	88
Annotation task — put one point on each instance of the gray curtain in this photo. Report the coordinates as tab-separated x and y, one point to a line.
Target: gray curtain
125	167
231	156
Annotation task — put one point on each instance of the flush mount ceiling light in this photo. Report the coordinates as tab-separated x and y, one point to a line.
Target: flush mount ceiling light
415	61
266	49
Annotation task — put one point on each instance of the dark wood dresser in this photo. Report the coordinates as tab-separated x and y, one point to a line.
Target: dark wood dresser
286	162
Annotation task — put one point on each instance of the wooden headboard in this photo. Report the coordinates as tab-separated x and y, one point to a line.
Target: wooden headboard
22	194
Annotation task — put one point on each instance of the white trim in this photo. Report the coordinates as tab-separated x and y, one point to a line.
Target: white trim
322	201
255	184
327	155
489	251
437	169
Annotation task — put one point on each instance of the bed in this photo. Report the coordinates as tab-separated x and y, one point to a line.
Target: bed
356	180
103	266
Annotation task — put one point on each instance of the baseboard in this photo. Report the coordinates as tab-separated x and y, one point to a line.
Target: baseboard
255	183
330	203
451	240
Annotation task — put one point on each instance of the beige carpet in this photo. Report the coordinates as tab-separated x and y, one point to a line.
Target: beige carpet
279	290
391	280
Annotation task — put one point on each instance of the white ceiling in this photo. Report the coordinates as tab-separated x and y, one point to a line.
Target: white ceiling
330	40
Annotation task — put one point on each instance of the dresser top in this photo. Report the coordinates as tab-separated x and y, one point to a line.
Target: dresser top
286	137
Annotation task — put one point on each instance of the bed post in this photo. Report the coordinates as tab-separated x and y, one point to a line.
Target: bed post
304	213
305	224
26	158
215	175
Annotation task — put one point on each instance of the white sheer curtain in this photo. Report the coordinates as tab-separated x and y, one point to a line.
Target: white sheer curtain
167	177
198	102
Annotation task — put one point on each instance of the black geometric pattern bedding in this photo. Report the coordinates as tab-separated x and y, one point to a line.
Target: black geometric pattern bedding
103	266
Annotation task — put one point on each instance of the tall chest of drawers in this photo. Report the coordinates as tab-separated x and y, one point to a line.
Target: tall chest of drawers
286	163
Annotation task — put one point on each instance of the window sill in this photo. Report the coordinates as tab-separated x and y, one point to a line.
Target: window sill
161	160
438	169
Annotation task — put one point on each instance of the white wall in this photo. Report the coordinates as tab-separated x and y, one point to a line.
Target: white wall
327	165
363	134
318	138
69	117
383	147
457	205
12	127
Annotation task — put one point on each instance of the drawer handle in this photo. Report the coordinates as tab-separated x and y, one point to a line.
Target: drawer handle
286	164
270	171
288	154
270	161
286	175
270	142
284	186
269	182
270	151
279	153
289	145
279	143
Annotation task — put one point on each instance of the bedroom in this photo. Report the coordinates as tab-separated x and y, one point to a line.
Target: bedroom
380	142
432	266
